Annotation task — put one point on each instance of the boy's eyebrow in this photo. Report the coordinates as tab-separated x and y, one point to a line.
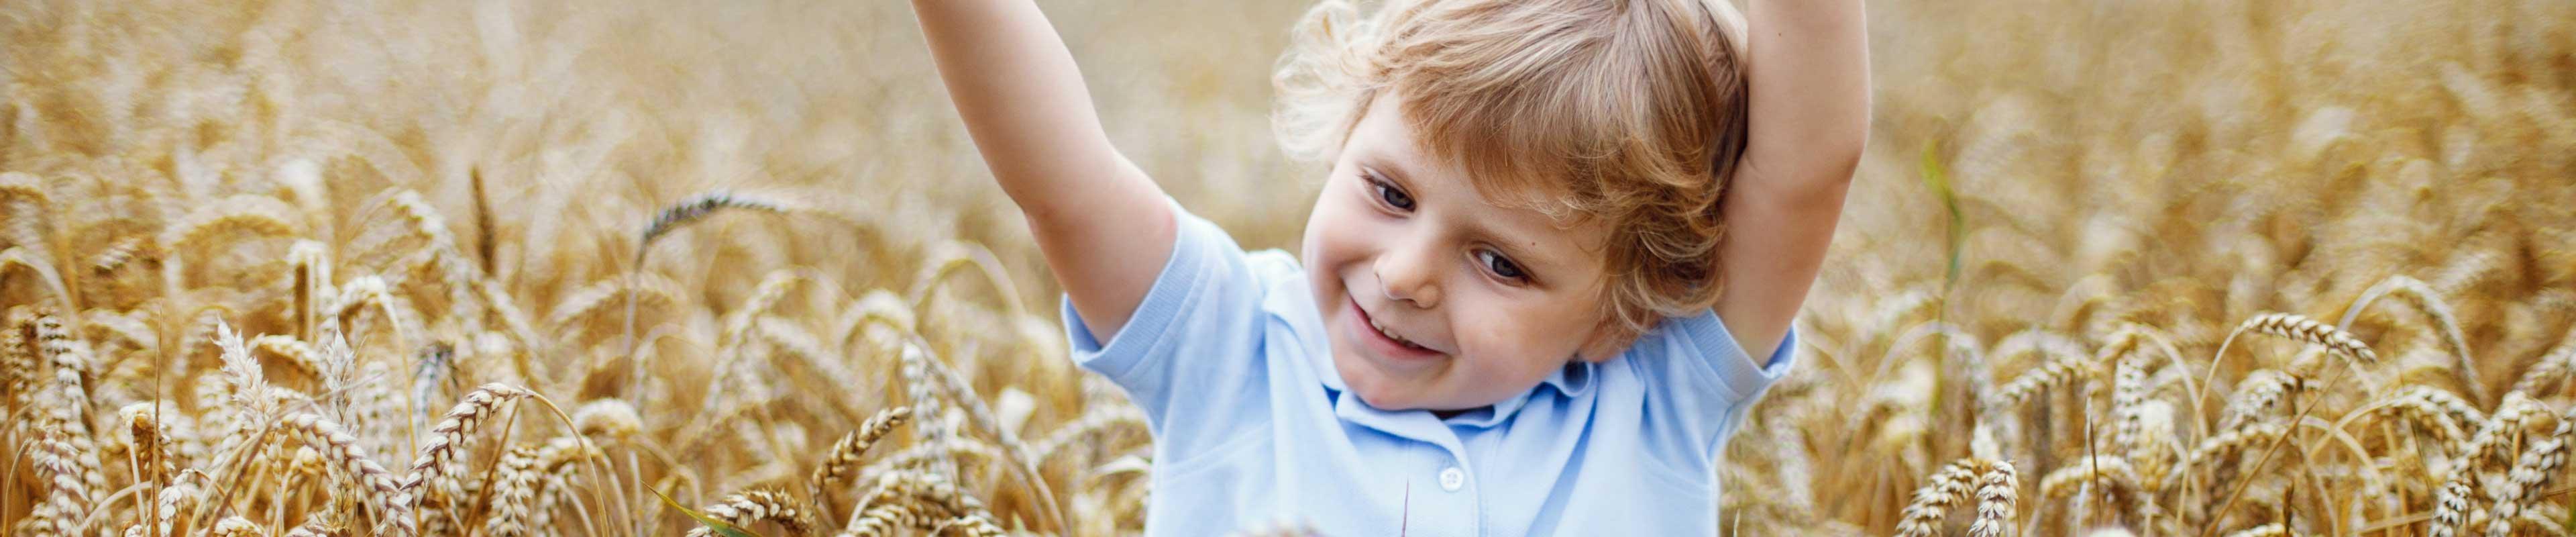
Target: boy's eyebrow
1391	166
1528	253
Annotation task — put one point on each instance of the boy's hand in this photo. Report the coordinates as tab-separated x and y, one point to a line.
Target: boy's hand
1808	70
1103	225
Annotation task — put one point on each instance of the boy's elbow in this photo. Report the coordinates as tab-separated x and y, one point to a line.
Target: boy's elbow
1819	174
1841	150
1827	167
1840	161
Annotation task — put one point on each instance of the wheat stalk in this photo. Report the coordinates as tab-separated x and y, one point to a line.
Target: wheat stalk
2223	449
847	453
912	500
2068	362
446	442
2546	375
2450	509
2266	530
609	419
2435	410
2522	485
150	441
2257	396
969	527
255	214
1998	495
235	526
72	495
2507	420
519	477
181	496
2425	299
744	508
947	258
384	494
69	413
1933	500
695	208
33	261
2301	329
120	141
928	457
24	187
2108	472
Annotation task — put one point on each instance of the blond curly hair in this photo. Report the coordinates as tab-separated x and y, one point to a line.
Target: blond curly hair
1630	111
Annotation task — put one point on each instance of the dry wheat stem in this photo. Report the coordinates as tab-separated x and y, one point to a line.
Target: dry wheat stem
2425	299
673	217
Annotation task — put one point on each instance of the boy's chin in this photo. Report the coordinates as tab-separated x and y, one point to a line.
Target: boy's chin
1396	396
1377	391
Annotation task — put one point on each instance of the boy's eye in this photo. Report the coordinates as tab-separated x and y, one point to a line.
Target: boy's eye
1387	193
1501	266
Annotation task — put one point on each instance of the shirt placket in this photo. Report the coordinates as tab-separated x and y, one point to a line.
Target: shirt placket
1453	496
1440	496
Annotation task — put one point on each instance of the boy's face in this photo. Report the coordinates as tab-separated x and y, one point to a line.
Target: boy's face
1435	298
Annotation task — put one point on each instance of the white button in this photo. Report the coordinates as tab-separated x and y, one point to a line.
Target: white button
1452	478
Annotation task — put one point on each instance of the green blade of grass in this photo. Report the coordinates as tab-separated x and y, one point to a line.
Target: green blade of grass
720	527
1937	177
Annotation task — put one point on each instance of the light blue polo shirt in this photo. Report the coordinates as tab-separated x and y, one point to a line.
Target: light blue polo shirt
1253	427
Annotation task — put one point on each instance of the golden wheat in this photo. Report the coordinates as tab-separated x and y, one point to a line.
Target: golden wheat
278	238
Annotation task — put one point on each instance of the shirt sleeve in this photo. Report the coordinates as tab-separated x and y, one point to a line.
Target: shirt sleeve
1701	382
1189	356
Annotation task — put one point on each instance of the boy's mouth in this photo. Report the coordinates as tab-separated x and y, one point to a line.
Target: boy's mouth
1384	340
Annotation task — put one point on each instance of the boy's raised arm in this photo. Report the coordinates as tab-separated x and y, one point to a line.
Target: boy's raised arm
1102	224
1808	71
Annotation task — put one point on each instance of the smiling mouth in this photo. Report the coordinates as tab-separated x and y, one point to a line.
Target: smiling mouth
1380	329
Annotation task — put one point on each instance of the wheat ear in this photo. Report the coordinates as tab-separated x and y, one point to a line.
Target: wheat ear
2302	329
2266	530
1998	493
2532	471
745	508
70	413
520	475
447	440
72	495
846	454
1933	500
385	494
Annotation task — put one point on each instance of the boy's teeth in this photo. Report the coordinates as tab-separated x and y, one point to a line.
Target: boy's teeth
1381	330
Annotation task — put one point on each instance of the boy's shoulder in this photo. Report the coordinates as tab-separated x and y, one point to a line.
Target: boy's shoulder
1274	266
1264	266
1285	298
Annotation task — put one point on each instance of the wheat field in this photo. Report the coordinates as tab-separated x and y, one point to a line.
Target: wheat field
399	267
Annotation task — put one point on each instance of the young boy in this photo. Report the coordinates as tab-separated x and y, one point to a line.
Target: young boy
1552	230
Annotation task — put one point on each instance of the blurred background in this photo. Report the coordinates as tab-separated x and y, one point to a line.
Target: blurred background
2048	184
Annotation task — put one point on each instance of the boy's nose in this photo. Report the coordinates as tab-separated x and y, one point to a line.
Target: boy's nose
1410	275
